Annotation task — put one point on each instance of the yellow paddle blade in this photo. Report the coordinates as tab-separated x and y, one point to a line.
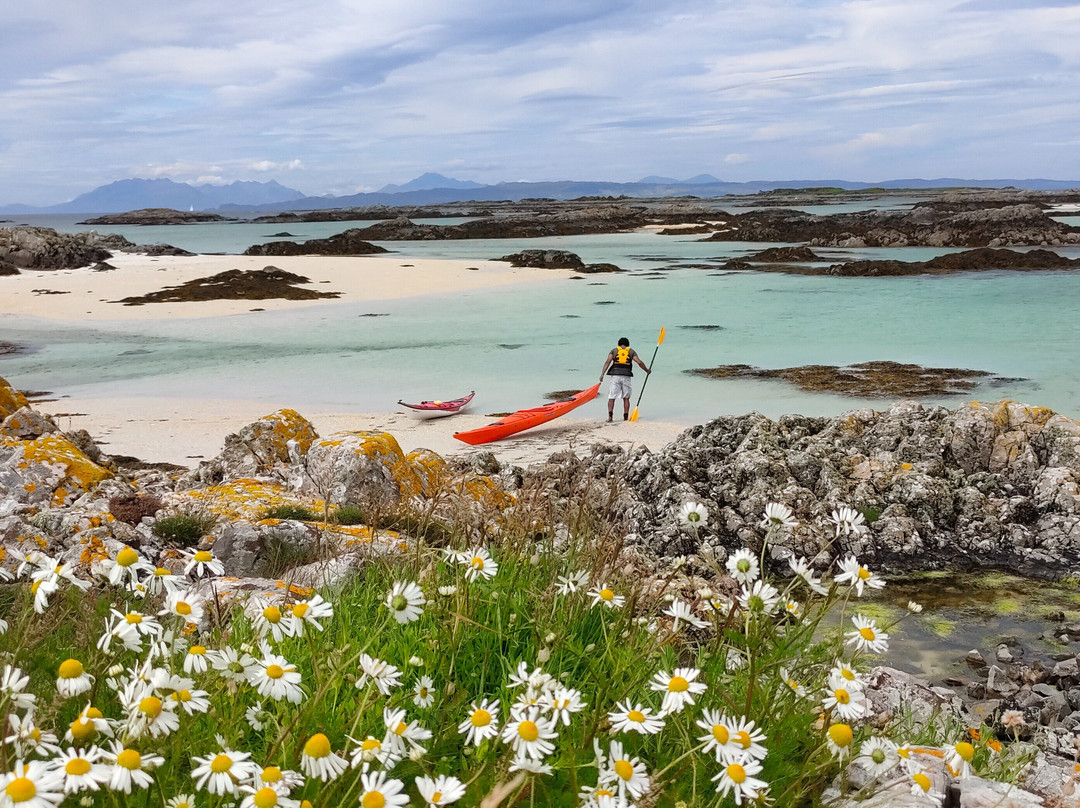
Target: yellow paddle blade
663	331
633	414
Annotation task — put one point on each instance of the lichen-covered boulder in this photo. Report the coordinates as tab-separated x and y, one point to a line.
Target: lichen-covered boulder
431	470
49	470
244	547
362	468
272	445
27	424
10	399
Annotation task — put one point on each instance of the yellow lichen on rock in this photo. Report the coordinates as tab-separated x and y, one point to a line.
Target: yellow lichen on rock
10	399
289	425
383	448
245	498
486	492
80	472
430	469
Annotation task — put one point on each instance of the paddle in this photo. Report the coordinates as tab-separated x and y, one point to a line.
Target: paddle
659	342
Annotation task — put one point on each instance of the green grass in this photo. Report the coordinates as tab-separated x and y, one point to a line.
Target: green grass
289	511
185	529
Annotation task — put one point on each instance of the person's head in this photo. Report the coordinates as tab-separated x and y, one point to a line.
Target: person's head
624	342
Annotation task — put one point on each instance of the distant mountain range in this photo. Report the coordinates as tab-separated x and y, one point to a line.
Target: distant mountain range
435	189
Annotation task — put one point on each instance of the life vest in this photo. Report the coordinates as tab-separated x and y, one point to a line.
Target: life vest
621	363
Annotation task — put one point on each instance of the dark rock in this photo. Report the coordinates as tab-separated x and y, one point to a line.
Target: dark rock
779	255
234	284
974	659
881	379
970	261
545	259
44	248
147	216
349	242
8	268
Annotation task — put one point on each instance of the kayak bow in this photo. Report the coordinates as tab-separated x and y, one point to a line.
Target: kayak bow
526	419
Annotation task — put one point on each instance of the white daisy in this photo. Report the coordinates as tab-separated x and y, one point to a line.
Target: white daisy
278	779
230	663
382	674
28	738
423	694
718	734
181	801
162	580
743	566
529	733
848	521
147	714
119	629
442	790
13	686
746	741
81	770
737	778
41	591
130	769
801	567
479	563
840	738
275	678
188	606
524	763
842	699
190	701
561	702
866	636
958	758
399	732
405	601
310	612
256	716
626	772
320	761
679	688
126	569
482	723
680	611
760	598
372	750
222	773
202	563
72	679
778	516
858	576
630	717
604	595
379	792
569	584
195	661
694	514
270	620
32	785
878	756
87	725
266	797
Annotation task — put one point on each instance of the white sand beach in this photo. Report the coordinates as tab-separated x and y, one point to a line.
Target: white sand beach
184	432
85	294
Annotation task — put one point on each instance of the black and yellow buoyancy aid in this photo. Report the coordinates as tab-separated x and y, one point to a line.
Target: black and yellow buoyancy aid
621	361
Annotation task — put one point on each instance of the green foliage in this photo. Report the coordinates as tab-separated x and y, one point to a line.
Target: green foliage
282	554
349	515
290	511
184	528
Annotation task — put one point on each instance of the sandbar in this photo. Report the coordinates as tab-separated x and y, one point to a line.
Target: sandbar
86	294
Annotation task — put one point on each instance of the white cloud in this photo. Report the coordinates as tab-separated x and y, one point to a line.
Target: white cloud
737	159
270	165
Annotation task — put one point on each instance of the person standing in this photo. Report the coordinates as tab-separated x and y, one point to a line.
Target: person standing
619	365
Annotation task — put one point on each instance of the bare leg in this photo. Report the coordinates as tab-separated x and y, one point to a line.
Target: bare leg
610	408
625	409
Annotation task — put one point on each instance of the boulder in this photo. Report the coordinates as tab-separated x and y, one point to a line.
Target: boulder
362	468
48	470
10	399
27	424
264	447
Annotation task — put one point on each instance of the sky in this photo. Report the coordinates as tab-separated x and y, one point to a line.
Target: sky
341	96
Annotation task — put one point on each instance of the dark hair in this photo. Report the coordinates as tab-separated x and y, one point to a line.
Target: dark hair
623	341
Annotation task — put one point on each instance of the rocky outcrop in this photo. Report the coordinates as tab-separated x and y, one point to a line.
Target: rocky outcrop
978	486
268	283
1012	225
984	258
350	242
595	219
146	216
361	468
555	259
880	379
44	248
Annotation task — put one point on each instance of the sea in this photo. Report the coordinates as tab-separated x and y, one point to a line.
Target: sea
516	345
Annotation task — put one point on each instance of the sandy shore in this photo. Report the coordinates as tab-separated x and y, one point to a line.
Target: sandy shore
84	294
185	432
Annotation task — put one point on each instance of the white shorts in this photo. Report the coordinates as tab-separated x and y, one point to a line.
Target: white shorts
620	387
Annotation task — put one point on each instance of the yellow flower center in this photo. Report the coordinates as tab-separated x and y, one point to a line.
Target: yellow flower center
965	750
220	763
369	744
34	587
318	746
603	792
436	797
35	735
265	798
202	557
840	734
272	614
720	732
477	563
678	685
21	789
300	609
624	769
126	557
743	739
134	618
922	780
847	673
150	707
271	774
197	650
129	759
636	716
182	695
161	572
275	671
480	718
607	594
528	730
82	729
71	669
77	766
373	799
183	608
422	693
842	696
867	634
400	728
864	574
736	773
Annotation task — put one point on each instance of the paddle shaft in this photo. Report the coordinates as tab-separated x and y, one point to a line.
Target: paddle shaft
647	375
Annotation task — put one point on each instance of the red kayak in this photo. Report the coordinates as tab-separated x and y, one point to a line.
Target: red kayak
527	419
437	409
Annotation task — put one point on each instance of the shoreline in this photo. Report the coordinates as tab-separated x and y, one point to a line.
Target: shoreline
85	294
185	432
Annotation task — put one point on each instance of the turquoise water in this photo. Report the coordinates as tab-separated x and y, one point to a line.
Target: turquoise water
515	345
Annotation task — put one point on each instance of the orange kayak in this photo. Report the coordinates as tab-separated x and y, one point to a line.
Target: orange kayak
527	419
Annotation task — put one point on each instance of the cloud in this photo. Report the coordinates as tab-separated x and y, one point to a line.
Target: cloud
737	159
270	165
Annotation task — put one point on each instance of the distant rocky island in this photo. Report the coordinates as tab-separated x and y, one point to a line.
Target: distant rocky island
161	216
